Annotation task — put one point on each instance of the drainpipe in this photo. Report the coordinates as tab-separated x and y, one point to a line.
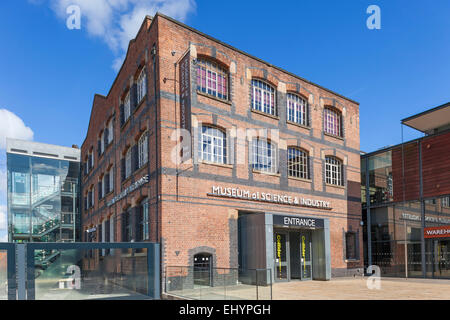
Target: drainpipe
153	53
369	220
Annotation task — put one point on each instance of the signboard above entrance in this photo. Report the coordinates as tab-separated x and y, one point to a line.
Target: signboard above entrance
237	193
295	221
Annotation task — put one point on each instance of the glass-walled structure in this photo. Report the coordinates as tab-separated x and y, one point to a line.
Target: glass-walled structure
405	192
43	192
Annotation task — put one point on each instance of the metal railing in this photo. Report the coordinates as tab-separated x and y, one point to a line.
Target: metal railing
218	283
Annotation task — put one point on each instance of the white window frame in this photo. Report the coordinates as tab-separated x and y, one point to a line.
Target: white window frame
264	156
143	149
103	186
297	109
268	98
145	220
111	179
110	130
212	146
328	124
126	107
334	171
299	167
128	163
102	142
445	202
141	85
213	69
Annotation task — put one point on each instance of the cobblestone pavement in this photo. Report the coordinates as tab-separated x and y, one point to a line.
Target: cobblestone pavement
356	289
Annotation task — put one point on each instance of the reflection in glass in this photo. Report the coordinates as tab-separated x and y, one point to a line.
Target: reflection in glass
42	199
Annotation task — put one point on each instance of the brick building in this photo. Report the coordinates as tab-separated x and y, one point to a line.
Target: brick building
265	173
406	200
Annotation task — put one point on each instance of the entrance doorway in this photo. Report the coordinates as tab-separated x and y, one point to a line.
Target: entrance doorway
442	258
293	255
202	269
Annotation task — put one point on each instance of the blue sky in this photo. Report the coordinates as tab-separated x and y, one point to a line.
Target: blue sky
49	74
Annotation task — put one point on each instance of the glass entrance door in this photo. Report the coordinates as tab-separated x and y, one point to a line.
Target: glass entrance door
442	259
281	263
305	255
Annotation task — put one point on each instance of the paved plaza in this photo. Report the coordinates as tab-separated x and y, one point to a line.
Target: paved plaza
357	289
335	289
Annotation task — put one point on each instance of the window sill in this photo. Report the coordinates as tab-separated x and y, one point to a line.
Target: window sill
125	123
298	125
140	103
134	173
266	173
222	165
265	114
141	169
334	186
108	194
214	97
300	179
352	260
333	136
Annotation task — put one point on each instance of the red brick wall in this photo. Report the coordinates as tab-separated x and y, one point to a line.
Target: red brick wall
435	168
189	220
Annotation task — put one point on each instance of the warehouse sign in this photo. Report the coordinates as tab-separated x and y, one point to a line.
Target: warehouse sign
437	232
237	193
128	190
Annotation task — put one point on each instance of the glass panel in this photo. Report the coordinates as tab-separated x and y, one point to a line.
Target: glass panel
380	178
306	255
43	197
77	274
280	256
225	284
3	275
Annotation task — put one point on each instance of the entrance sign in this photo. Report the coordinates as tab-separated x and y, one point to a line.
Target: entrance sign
237	193
293	221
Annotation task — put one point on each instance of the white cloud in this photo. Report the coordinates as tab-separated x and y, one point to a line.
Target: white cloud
2	181
11	126
3	218
117	21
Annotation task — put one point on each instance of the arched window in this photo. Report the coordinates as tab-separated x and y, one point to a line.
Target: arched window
212	79
298	163
263	97
141	85
264	156
332	122
126	107
143	149
297	109
110	131
334	171
128	163
144	220
212	145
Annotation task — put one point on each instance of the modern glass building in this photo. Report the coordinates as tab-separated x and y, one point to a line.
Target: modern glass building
406	201
43	192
